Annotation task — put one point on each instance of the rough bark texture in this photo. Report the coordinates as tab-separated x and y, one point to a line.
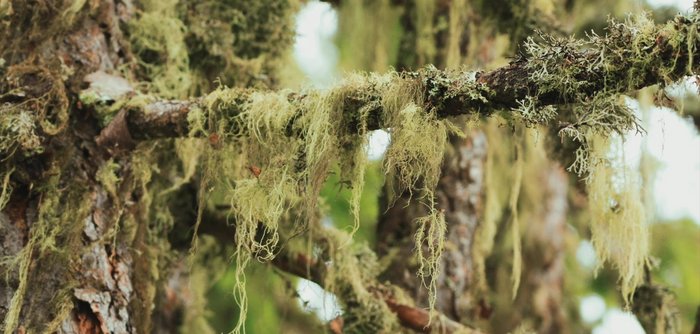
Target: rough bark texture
79	242
99	277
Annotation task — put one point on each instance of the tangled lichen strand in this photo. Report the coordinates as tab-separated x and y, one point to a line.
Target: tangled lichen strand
618	220
515	221
431	232
418	138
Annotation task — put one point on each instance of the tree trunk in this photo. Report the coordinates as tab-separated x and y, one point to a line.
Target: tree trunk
94	236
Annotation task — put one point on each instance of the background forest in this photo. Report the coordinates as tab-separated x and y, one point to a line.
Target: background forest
349	166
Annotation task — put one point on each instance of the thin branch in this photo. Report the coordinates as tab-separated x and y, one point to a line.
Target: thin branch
305	267
411	317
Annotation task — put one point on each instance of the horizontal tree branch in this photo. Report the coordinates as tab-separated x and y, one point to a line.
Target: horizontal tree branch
553	71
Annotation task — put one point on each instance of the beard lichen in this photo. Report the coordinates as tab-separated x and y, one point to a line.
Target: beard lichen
418	138
619	230
431	231
285	145
515	221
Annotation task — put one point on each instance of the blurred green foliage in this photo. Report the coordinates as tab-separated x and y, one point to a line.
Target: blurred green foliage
336	196
676	244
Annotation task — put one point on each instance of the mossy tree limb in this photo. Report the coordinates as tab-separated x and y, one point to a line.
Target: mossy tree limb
557	71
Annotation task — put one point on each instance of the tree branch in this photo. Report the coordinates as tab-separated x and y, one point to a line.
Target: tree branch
305	267
411	317
633	55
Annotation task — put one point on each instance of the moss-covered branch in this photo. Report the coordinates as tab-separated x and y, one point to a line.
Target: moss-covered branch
549	71
318	271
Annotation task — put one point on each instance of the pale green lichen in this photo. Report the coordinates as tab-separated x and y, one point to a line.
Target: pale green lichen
432	232
286	144
531	114
515	222
418	138
618	223
18	132
619	228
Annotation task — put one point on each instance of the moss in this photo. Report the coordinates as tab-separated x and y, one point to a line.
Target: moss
157	37
50	239
107	176
349	274
42	108
237	43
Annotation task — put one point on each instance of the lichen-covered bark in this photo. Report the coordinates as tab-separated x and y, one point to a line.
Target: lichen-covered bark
64	276
85	225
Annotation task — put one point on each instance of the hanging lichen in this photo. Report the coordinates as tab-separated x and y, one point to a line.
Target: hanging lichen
515	221
432	232
618	220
